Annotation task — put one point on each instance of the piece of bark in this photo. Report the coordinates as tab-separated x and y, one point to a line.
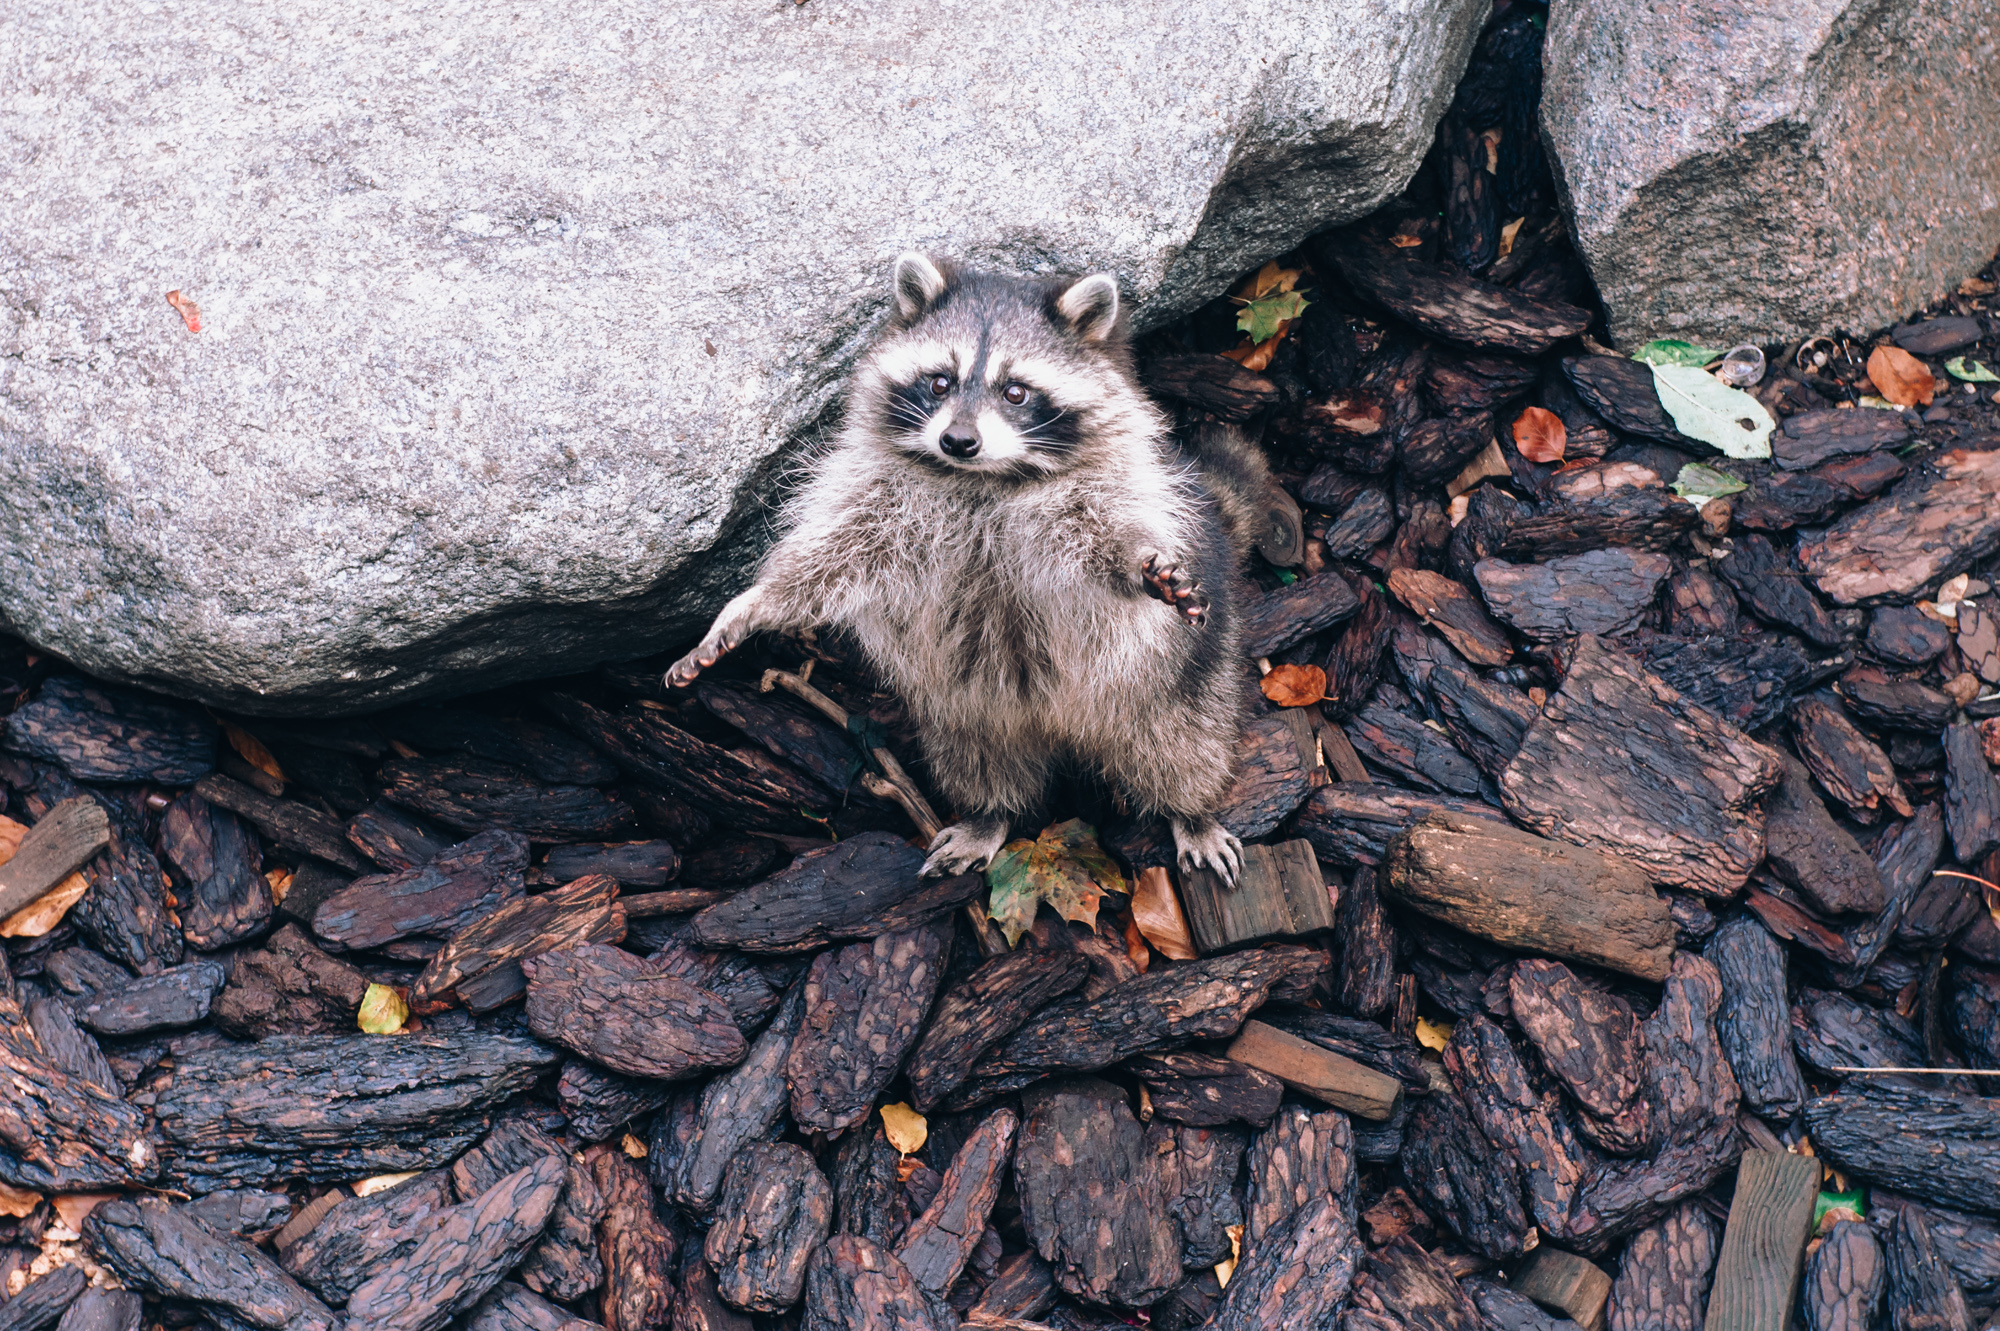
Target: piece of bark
1779	500
1934	337
1213	383
480	965
1023	1290
1923	1293
61	1132
1770	1215
1526	892
327	1108
61	842
1805	847
692	1146
1201	1090
1364	967
1697	602
1517	1117
1773	591
109	735
984	1007
1280	618
739	980
1905	704
1504	1310
1813	437
1354	822
869	1197
1642	517
1412	751
1402	1286
124	912
44	1301
1453	611
157	1247
1298	1275
1320	1073
227	896
1747	681
604	1004
1969	1244
1973	1014
1600	591
1590	1041
637	1247
1619	761
94	1310
1471	1185
1365	522
1933	1145
1933	524
1455	381
1486	720
863	887
865	1005
1971	795
776	1208
941	1240
632	863
509	1307
1754	1024
1451	305
1198	1000
1364	1042
288	824
552	755
1622	392
1566	1283
599	1102
355	1236
1270	779
1198	1170
1301	1156
473	794
288	987
1280	893
466	1252
1092	1200
698	1306
1832	1030
464	884
1904	855
177	996
1665	1272
856	1285
67	1047
1844	1280
1851	767
394	838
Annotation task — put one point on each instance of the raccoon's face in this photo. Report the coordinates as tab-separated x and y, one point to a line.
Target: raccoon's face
995	375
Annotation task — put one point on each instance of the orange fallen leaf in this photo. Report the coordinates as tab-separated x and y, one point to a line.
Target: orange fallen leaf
1540	435
46	911
1294	685
1402	242
280	880
1900	377
1256	356
18	1202
11	833
1157	913
189	311
251	750
73	1208
1135	945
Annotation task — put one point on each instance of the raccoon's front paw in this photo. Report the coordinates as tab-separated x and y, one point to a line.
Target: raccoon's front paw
684	671
1171	583
1208	846
965	847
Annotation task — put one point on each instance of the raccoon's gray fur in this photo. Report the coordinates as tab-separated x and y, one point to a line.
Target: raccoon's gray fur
1043	573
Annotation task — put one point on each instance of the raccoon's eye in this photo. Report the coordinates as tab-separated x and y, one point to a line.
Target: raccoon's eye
1016	393
940	385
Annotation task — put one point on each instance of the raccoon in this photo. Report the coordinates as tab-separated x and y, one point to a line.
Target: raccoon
1042	571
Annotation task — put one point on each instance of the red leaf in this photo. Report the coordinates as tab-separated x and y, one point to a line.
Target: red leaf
1540	435
1295	685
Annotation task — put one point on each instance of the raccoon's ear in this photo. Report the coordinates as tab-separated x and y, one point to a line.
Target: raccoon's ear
918	284
1091	306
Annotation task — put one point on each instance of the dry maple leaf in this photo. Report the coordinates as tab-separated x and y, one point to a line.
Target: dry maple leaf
1294	685
1064	866
1157	913
1900	377
189	311
1540	435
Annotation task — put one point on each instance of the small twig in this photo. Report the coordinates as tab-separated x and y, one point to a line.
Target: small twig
1929	1072
897	787
1970	878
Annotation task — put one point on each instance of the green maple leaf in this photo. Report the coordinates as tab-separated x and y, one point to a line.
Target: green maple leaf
1064	866
1260	318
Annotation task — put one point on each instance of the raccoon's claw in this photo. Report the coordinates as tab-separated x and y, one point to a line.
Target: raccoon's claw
1171	584
684	671
965	847
1212	847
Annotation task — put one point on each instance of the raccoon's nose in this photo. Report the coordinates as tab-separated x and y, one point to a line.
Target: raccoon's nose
959	445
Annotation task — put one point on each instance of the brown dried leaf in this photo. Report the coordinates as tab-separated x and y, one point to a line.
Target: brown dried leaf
1901	377
1294	685
46	911
1135	944
189	311
1540	435
1157	913
11	833
73	1208
906	1129
251	750
18	1202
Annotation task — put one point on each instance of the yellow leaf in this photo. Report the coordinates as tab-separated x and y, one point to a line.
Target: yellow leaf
1433	1036
383	1010
46	911
18	1202
368	1187
280	880
633	1147
251	750
1157	912
1227	1266
905	1128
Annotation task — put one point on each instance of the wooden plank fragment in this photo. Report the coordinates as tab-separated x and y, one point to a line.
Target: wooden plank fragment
1279	894
1320	1073
1568	1284
1757	1275
65	839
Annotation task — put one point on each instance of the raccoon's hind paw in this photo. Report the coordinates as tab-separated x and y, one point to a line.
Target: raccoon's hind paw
1171	583
965	847
1208	846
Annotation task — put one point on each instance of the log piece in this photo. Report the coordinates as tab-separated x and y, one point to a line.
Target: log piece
1772	590
1280	893
227	896
1320	1073
473	794
739	980
1566	1283
869	1197
1844	1280
1271	778
1355	822
1620	761
1299	1275
983	1008
1754	1023
693	1144
1904	855
1934	523
1778	500
1757	1274
1589	1041
158	1247
1934	1145
1747	681
1923	1294
1198	1170
776	1208
461	885
1504	1310
940	1242
1665	1272
1905	704
552	755
698	1305
1973	1014
1280	618
288	824
1599	591
1813	437
288	987
1370	518
865	1005
863	887
1698	603
856	1285
124	912
1453	611
95	1309
61	842
1641	517
1525	892
632	863
1451	305
1622	392
1971	795
356	1236
1471	1185
510	1307
1934	337
1805	847
1832	1030
465	1253
1518	1118
67	1047
1092	1200
111	735
1364	1042
605	1004
1850	766
1485	719
326	1108
1201	1090
480	965
598	1102
1412	751
1301	1156
1364	964
1969	1244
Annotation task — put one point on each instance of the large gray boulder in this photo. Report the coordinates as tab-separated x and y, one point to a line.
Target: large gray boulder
511	315
1763	172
